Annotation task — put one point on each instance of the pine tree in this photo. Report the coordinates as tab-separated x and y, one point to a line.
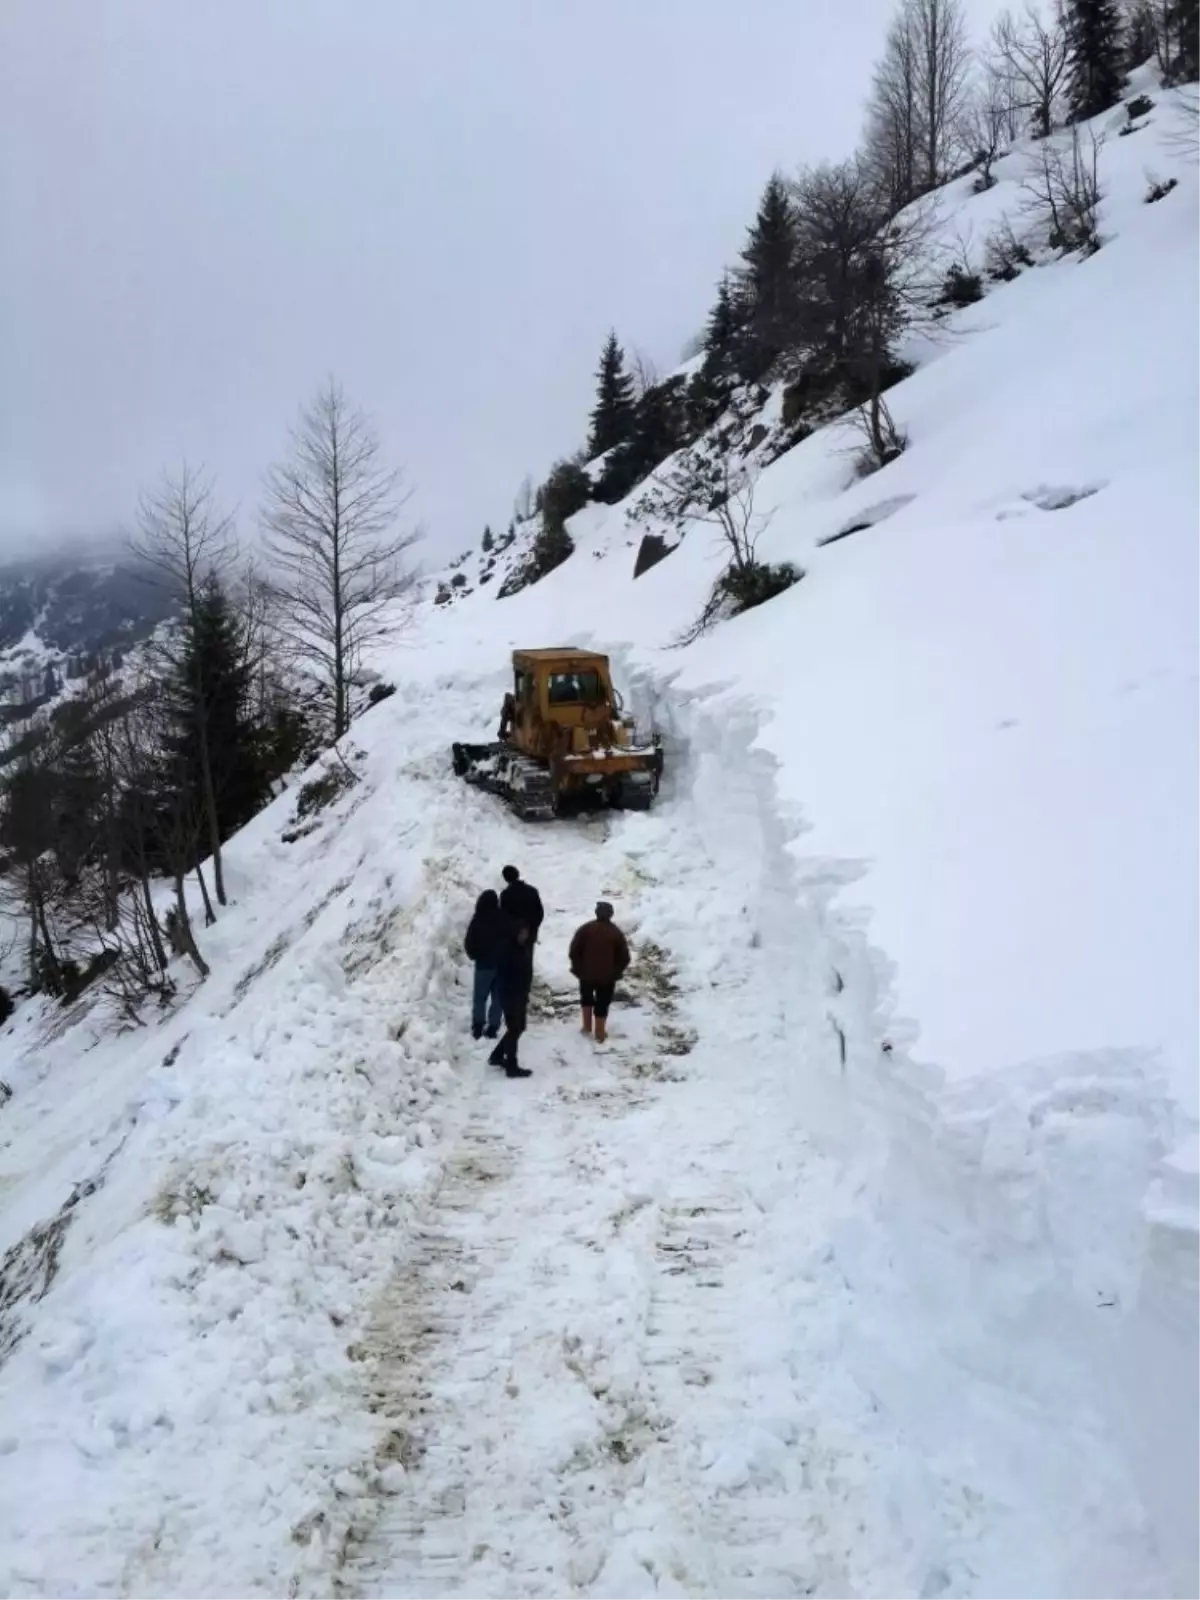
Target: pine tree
1095	51
1184	22
77	791
724	336
1140	35
659	422
612	415
213	656
486	543
659	428
768	279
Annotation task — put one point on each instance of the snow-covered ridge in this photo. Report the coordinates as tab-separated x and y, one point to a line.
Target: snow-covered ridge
61	615
866	1261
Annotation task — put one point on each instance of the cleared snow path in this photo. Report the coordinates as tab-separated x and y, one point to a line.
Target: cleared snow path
588	1366
730	1308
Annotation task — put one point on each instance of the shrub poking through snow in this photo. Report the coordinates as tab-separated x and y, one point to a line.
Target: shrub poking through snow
1159	188
884	439
750	586
722	496
1141	107
323	790
380	691
961	288
1004	255
1063	193
7	1004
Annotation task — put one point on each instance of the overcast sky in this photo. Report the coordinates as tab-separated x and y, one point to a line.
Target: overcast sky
208	204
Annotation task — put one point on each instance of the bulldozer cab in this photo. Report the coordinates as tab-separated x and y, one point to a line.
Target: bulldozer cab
559	689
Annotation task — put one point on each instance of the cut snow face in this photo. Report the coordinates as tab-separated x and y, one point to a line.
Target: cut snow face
1048	497
869	517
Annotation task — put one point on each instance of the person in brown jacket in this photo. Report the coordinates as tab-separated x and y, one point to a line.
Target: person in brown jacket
599	955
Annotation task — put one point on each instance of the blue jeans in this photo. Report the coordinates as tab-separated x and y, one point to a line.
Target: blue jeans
487	997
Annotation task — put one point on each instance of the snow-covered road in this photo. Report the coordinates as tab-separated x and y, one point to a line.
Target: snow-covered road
732	1307
600	1364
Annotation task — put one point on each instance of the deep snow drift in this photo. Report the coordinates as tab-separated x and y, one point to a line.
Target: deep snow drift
865	1260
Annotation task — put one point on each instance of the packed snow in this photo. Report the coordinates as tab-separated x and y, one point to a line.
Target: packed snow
864	1260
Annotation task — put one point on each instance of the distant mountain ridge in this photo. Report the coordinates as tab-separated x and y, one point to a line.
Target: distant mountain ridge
65	613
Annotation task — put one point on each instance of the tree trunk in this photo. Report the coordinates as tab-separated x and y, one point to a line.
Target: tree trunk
210	813
934	90
183	926
210	915
340	719
160	954
33	931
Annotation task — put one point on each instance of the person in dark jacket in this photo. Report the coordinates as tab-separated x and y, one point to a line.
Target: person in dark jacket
516	979
599	956
487	934
521	901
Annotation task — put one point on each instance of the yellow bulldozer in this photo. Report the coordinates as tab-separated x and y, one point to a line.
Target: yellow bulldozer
564	739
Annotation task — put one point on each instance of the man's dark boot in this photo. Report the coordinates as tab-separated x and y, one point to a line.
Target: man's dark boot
490	1033
496	1059
477	1030
512	1070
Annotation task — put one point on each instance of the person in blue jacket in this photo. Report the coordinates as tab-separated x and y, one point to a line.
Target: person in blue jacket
488	935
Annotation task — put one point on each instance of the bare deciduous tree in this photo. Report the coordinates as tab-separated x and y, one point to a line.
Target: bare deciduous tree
920	89
644	372
1158	23
711	485
892	142
882	440
990	123
943	65
525	502
1029	51
330	522
1004	254
1062	192
872	276
187	541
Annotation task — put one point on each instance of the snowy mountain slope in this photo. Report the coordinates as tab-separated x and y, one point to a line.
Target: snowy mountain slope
862	1263
983	714
980	676
639	1333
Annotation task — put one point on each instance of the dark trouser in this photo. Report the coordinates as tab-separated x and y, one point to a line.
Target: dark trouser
505	1053
486	998
596	996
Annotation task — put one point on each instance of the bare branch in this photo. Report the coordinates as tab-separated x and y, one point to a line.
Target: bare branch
990	123
645	373
920	88
1062	190
1029	54
330	520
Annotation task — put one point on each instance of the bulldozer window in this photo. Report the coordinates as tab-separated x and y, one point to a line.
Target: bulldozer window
524	686
573	688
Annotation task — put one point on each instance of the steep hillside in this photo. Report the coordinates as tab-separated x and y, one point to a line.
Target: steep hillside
985	684
864	1261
